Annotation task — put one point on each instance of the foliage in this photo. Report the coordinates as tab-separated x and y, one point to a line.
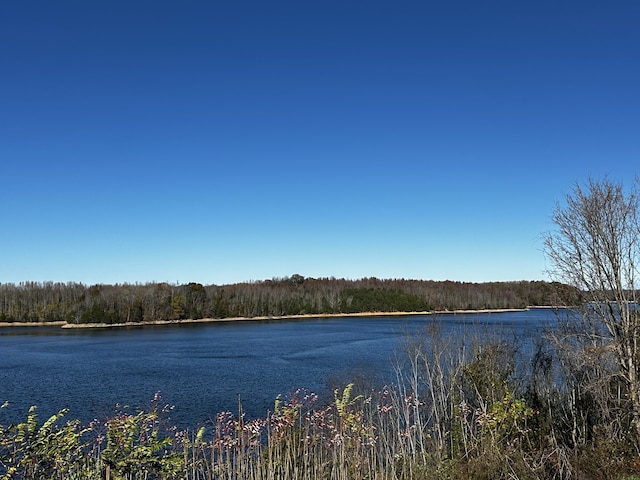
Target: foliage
295	295
380	300
48	451
136	449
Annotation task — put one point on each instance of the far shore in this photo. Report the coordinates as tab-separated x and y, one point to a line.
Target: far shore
63	324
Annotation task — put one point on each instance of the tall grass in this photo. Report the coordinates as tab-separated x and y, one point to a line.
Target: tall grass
460	409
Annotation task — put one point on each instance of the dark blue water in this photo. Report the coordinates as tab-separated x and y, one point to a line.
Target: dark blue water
204	369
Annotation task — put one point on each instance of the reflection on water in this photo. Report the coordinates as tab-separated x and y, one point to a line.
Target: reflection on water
203	369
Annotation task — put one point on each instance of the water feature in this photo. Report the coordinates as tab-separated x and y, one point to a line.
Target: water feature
204	369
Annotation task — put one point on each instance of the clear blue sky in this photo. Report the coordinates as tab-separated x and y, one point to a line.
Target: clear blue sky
220	142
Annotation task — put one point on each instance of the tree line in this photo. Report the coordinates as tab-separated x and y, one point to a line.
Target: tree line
286	296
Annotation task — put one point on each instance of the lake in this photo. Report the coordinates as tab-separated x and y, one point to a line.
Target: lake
204	369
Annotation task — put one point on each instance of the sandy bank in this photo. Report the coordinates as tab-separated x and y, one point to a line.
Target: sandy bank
33	324
283	317
63	324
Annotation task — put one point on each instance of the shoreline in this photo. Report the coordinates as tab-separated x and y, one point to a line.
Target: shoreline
57	323
63	324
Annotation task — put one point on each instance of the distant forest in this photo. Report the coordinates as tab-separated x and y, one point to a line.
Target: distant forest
288	296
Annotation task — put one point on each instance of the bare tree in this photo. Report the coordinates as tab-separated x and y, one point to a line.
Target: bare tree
596	248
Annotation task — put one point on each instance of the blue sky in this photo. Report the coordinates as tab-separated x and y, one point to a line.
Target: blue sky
220	142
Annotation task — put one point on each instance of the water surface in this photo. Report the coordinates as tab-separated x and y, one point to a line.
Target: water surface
204	369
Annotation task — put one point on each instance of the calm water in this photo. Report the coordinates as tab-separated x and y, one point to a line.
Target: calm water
203	369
